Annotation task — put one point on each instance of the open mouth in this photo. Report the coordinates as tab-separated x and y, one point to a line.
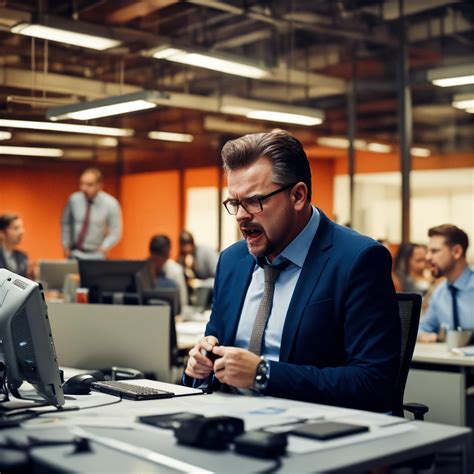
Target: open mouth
250	233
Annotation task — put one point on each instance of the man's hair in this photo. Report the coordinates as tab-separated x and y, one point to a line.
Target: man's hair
160	245
289	161
453	235
96	172
6	220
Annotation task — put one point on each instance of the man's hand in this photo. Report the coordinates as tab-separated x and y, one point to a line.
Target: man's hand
199	366
235	366
427	337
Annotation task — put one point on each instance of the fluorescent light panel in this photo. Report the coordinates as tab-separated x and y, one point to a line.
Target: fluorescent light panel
273	112
31	151
418	151
207	61
60	35
171	136
5	135
450	76
116	105
67	127
463	101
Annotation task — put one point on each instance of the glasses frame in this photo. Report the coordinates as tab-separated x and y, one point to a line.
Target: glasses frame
240	202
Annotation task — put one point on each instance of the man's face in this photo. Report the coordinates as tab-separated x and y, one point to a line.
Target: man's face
14	233
268	232
440	256
90	185
418	260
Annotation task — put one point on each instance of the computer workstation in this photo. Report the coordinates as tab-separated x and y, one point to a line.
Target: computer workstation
125	446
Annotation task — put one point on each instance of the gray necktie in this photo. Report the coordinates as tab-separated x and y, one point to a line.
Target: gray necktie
265	307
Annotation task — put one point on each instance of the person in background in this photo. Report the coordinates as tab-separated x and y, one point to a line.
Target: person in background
410	268
11	234
452	302
199	262
91	223
167	273
303	308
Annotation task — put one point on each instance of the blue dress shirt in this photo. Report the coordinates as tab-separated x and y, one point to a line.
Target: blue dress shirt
295	252
440	309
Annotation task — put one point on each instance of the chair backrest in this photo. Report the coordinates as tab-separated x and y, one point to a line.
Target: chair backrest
409	307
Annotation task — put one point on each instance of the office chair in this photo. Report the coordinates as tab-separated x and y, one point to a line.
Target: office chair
167	297
409	307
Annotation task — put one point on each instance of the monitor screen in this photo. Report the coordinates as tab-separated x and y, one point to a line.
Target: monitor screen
26	341
53	272
104	278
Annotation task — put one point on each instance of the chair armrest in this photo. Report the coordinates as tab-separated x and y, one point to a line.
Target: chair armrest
418	409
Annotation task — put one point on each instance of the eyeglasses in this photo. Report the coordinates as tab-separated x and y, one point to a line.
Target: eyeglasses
252	204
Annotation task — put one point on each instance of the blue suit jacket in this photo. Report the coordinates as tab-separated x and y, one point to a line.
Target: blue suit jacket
21	262
341	338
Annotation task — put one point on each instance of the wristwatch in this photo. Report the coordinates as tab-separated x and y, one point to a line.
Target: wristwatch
262	376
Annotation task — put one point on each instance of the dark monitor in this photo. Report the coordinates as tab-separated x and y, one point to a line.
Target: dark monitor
108	278
26	342
53	272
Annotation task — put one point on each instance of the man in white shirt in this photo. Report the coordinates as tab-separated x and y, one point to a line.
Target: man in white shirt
91	223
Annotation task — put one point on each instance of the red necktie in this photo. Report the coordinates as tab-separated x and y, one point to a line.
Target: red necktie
85	227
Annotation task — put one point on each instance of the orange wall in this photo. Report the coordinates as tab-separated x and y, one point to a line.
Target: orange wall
150	205
322	183
38	196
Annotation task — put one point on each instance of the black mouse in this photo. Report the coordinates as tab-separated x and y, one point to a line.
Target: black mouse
79	384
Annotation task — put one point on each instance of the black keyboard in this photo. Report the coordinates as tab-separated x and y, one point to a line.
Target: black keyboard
130	391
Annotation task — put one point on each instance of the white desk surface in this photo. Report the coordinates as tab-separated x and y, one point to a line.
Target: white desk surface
437	353
390	439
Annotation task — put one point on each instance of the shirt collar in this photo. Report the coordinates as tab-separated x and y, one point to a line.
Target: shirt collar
463	280
298	248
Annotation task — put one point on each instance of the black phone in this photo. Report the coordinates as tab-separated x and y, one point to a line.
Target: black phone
210	355
168	421
325	430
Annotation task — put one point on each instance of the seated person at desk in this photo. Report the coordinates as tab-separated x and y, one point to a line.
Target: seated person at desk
11	233
199	262
452	302
166	272
328	330
410	266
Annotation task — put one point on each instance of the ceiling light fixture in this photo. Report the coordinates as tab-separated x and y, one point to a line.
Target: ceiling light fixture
67	127
69	32
31	151
418	151
379	147
272	112
339	142
463	101
5	135
215	61
450	76
116	105
171	136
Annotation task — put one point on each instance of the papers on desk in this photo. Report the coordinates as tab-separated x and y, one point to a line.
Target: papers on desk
463	351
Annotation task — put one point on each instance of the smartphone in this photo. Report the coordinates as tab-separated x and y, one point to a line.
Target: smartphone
168	421
325	430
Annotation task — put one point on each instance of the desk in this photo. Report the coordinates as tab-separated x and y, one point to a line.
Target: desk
118	422
439	379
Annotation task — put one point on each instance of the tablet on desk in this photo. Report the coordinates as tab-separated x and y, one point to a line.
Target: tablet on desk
326	430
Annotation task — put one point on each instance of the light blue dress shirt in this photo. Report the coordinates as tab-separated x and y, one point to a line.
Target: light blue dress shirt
440	308
296	252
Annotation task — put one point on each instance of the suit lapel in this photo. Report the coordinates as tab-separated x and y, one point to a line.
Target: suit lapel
237	292
308	280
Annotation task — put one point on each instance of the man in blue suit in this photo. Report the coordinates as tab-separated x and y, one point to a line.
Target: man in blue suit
331	330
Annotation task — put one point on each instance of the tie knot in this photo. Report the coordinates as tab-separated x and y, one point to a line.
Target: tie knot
452	289
272	271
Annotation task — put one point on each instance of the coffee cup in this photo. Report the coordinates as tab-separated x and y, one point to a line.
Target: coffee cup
458	338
